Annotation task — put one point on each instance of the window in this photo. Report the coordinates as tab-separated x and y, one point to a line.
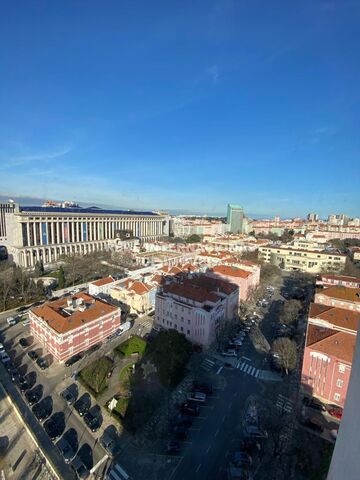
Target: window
339	383
337	397
188	332
341	368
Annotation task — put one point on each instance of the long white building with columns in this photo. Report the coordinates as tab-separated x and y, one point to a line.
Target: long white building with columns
46	233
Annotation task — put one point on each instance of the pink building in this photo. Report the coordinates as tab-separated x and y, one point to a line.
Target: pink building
328	280
339	296
196	307
246	280
68	326
329	348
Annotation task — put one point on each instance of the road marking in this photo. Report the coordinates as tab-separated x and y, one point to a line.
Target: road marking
100	462
253	370
247	369
246	358
216	433
217	373
257	373
198	468
208	449
243	366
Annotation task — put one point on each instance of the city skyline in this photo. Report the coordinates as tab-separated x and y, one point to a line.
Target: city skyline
176	107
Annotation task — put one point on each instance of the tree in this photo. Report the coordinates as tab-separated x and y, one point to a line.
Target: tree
285	353
61	278
290	311
39	269
6	285
194	238
251	256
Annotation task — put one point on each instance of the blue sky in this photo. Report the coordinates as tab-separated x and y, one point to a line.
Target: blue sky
183	105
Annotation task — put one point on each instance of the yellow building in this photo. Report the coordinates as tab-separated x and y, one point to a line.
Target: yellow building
138	295
291	258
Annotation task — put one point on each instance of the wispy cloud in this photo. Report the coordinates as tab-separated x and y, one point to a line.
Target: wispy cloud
213	73
11	160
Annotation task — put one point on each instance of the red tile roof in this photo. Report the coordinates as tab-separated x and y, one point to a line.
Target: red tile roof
340	345
57	319
339	317
343	278
342	293
231	271
192	292
103	281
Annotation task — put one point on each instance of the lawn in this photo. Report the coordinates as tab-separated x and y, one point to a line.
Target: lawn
132	345
95	375
122	406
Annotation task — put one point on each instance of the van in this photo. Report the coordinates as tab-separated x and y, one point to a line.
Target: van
11	321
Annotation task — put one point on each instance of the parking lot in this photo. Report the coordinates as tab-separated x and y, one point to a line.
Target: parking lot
73	421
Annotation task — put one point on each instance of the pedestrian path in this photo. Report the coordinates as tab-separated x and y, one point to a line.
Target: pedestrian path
284	403
248	369
146	324
117	473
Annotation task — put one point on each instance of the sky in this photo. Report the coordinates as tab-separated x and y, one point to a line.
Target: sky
183	105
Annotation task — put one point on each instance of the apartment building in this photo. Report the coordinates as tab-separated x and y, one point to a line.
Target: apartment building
329	349
103	285
46	233
339	296
140	296
68	326
196	306
290	258
246	280
329	280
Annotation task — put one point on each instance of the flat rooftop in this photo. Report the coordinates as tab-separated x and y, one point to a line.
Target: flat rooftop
83	211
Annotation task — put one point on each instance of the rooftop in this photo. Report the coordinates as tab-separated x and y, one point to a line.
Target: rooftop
231	271
341	293
68	313
191	291
343	278
339	344
103	281
338	317
82	211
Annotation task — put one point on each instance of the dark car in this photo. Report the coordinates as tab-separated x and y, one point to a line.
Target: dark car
42	363
21	309
72	360
241	458
311	403
182	419
313	425
190	408
180	432
202	387
53	428
24	342
172	447
33	396
23	384
33	355
68	396
110	443
40	412
92	421
13	373
82	406
80	468
66	449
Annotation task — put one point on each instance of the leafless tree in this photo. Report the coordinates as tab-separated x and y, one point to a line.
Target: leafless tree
286	352
290	312
6	286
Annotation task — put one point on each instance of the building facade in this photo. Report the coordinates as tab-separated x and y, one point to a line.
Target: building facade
235	218
339	296
103	285
68	326
46	233
4	209
246	280
196	307
328	280
310	261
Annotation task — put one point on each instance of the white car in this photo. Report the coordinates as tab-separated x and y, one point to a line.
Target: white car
229	353
197	397
11	321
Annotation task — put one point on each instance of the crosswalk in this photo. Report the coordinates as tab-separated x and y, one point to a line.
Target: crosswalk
117	473
284	403
248	369
146	324
208	364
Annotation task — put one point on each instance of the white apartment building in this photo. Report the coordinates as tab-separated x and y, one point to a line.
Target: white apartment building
46	233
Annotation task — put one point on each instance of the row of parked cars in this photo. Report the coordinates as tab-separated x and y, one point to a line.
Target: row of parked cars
235	342
181	423
248	450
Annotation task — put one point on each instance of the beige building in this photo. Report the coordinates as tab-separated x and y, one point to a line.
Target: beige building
139	295
291	258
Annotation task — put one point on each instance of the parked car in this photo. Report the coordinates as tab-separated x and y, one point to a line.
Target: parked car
11	321
197	397
42	363
40	412
67	450
68	396
72	360
253	432
33	396
316	405
190	408
172	447
202	387
33	355
14	374
23	384
24	342
53	428
82	405
336	412
180	432
182	419
241	458
313	424
92	421
80	468
229	353
110	444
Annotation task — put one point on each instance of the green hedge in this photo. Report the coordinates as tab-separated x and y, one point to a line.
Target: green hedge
132	345
95	375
